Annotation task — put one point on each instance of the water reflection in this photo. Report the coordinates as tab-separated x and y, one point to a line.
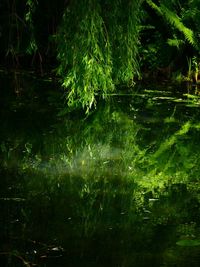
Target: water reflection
119	188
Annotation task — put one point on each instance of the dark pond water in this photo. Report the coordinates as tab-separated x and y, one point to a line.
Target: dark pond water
118	188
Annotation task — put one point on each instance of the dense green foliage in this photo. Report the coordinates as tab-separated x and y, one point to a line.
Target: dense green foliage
97	48
174	40
84	53
94	46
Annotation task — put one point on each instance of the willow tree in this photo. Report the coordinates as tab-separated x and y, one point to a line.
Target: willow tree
97	48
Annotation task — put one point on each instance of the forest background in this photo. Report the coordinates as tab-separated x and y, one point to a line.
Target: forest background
95	46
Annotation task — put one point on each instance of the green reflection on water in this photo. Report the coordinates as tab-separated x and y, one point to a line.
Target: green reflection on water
119	188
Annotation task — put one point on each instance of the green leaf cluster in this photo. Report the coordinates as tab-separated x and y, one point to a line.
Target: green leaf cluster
97	48
31	7
171	16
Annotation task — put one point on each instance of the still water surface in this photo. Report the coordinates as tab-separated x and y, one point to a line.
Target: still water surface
118	188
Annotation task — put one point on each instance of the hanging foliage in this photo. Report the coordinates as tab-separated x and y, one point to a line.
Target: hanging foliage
84	53
31	7
97	48
122	22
